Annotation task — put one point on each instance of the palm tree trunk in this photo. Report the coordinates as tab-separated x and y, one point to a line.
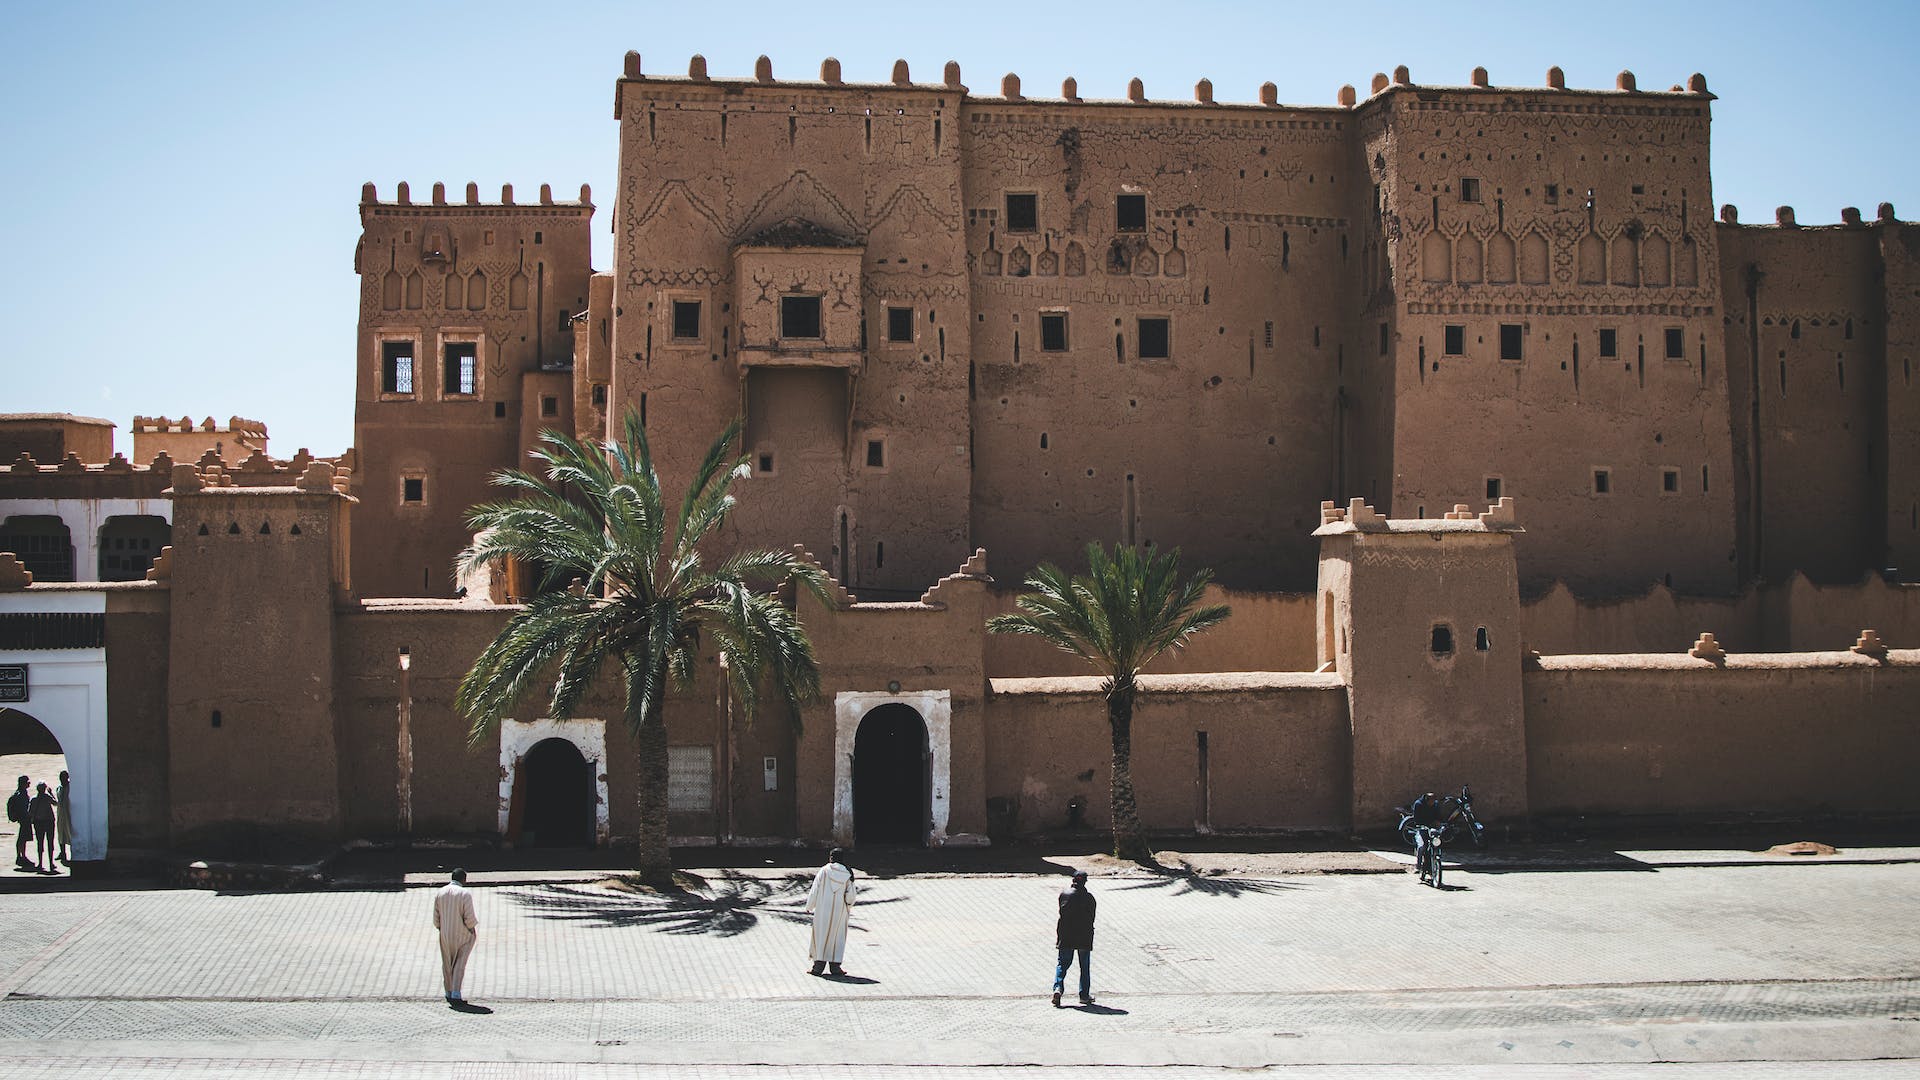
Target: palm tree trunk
1128	839
655	859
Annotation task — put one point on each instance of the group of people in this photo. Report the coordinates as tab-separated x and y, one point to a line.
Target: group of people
44	821
830	903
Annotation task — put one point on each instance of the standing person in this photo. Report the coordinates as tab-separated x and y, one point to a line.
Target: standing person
64	830
19	806
453	917
831	904
41	811
1073	933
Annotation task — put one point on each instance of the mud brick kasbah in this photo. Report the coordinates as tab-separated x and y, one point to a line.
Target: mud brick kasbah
1519	466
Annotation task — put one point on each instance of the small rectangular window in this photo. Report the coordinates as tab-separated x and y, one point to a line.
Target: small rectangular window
800	317
1469	189
1053	331
462	368
1510	341
549	405
1023	213
1676	343
499	410
686	320
1130	213
1493	489
413	489
1553	193
1602	482
1456	341
1610	343
899	324
876	453
1703	478
600	394
1639	189
1385	339
1156	339
1441	640
396	367
1670	481
765	461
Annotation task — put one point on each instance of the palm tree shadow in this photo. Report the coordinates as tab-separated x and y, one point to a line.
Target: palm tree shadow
729	906
1184	879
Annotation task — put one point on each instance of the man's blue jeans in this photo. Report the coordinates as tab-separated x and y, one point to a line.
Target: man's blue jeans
1086	972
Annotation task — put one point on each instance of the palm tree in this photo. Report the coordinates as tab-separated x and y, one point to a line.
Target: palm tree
641	597
1130	608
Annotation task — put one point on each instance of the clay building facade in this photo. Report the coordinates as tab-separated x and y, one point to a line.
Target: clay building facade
968	333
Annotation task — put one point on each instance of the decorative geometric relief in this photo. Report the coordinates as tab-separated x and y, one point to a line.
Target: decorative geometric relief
416	288
390	289
1175	265
456	292
1686	265
477	291
1467	255
1655	255
517	292
1147	263
1048	264
1593	260
1436	258
990	263
1076	259
1019	263
1500	259
1623	261
1535	256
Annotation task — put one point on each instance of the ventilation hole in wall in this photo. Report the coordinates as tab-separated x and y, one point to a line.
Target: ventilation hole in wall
1481	641
1783	378
1206	294
643	409
879	554
1316	336
1440	642
1849	329
1119	349
1043	440
1227	235
1270	440
216	718
1840	369
295	531
1089	472
1286	248
233	528
1704	484
1795	332
203	530
266	529
1668	579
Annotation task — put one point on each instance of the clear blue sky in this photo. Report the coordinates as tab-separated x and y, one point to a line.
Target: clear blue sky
180	182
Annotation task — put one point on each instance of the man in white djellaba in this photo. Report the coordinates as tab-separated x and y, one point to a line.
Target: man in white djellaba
830	903
453	917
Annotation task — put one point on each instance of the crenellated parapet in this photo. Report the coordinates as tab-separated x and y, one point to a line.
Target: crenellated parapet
974	569
70	478
1786	218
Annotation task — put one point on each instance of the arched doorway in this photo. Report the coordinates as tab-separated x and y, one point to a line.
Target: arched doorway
890	777
29	749
559	796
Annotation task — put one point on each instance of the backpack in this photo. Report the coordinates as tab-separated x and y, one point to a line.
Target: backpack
17	807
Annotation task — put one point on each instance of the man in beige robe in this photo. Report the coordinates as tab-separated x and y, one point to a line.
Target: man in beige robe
453	917
831	904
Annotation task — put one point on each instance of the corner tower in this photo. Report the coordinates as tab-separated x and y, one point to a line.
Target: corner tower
462	306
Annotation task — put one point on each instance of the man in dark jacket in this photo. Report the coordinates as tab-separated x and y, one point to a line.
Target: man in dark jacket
18	808
1074	934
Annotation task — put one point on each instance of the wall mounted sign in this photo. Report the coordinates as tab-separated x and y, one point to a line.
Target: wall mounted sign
13	682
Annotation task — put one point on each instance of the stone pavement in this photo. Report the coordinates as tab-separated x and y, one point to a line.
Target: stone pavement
1540	973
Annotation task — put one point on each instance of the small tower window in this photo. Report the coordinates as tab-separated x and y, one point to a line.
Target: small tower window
1602	482
413	489
462	368
1441	643
1469	189
1481	640
1053	331
1456	343
800	317
1156	338
899	324
1676	343
1511	337
1023	213
1609	343
1130	213
686	320
396	367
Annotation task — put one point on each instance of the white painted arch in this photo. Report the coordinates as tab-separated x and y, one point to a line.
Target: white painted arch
67	692
587	736
84	519
936	710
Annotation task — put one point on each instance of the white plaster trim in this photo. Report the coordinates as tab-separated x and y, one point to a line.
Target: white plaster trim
936	711
84	519
587	736
67	692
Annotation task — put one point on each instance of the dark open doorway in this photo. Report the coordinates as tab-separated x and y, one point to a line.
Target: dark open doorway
559	793
890	766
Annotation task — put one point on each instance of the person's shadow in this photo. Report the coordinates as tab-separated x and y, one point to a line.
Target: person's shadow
855	980
1100	1010
469	1007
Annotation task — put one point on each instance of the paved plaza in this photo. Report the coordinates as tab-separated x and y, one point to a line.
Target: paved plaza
1678	971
